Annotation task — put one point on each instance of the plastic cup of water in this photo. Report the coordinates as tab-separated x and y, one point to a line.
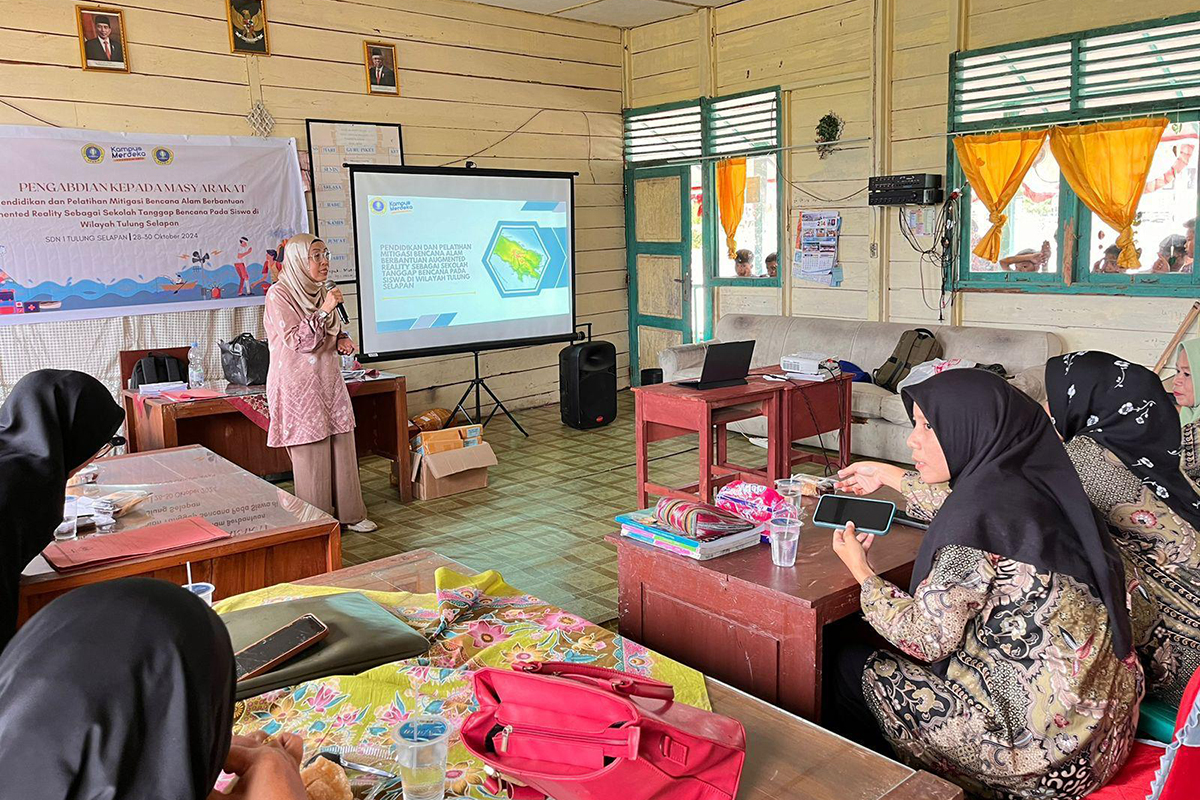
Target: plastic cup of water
785	540
422	742
69	528
202	590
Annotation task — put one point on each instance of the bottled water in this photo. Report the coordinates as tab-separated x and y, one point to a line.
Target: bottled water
195	367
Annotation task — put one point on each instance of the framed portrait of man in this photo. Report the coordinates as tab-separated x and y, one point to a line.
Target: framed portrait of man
102	39
380	62
248	27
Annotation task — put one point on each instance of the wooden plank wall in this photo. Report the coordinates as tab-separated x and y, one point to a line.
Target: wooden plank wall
882	65
470	75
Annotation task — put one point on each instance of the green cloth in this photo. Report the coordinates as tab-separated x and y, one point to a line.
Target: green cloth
1189	414
1156	721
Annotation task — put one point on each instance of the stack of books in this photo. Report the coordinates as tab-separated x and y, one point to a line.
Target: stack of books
645	527
159	389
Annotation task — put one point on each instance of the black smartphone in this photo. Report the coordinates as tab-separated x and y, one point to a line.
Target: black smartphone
275	648
912	522
868	516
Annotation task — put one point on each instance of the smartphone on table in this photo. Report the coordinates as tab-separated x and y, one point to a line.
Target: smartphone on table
276	648
868	516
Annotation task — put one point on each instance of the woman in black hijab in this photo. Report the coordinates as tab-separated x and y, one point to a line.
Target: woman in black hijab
1016	678
124	689
1122	433
52	424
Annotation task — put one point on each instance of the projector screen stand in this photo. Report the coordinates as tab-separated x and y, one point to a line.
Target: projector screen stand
477	384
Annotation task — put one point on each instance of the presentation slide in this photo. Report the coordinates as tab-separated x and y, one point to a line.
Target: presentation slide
461	260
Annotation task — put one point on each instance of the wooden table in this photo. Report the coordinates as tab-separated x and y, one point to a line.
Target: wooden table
666	410
275	537
812	408
794	410
380	413
786	757
745	621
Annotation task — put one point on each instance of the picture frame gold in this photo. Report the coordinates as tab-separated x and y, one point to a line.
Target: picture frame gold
239	14
387	52
86	20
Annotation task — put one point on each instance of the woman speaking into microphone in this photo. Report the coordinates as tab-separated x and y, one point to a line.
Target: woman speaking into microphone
310	408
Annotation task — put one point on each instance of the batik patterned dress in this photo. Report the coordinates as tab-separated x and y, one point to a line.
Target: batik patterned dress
1161	551
1033	702
1189	453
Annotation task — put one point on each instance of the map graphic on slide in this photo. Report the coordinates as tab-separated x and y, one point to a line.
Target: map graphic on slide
516	258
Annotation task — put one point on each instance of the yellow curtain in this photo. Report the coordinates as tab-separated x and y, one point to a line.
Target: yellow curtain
1107	164
995	165
731	198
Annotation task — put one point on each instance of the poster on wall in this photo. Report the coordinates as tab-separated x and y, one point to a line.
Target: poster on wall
96	224
331	146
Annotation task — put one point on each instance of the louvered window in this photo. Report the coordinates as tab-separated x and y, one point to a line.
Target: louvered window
664	134
1148	67
741	124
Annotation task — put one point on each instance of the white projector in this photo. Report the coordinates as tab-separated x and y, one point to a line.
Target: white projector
807	363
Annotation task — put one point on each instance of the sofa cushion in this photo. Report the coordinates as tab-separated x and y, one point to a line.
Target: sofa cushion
865	400
892	409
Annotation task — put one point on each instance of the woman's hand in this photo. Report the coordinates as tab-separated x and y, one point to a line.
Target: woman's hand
266	770
345	346
867	477
852	548
332	298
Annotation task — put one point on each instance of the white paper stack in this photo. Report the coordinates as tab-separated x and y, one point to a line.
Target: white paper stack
156	389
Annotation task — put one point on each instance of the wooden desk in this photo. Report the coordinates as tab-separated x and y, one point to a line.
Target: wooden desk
786	757
810	409
276	537
745	621
381	428
666	410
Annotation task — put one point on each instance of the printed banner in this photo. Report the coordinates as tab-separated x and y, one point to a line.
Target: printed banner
96	224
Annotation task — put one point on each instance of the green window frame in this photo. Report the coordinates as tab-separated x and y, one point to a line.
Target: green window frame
730	126
1142	69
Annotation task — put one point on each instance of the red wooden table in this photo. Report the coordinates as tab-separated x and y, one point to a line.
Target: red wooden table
746	622
794	410
666	410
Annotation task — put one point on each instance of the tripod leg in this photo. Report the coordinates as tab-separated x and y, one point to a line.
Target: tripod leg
500	406
460	407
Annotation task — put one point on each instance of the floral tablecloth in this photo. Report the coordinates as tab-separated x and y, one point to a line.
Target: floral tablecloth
472	622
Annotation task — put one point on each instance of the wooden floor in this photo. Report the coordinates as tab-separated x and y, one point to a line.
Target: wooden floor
542	520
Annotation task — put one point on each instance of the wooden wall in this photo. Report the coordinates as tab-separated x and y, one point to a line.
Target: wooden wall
882	65
470	75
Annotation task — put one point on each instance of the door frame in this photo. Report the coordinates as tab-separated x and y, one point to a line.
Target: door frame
633	249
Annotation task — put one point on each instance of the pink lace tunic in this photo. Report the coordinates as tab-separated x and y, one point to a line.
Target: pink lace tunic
305	390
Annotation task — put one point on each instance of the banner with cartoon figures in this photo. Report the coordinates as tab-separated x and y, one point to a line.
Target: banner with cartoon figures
97	224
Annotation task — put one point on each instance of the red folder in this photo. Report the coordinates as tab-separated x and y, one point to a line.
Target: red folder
107	548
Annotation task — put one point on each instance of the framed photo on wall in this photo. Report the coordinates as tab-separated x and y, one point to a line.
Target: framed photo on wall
379	58
248	27
102	39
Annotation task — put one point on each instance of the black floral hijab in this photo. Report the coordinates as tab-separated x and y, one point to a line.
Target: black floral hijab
1124	408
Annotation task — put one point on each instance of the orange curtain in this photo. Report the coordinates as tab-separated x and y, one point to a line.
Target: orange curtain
731	198
995	165
1107	164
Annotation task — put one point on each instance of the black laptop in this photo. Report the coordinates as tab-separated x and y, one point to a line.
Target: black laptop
725	364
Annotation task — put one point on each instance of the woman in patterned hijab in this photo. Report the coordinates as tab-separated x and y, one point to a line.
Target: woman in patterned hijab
1122	433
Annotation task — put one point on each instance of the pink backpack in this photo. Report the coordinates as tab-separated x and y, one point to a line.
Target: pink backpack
575	732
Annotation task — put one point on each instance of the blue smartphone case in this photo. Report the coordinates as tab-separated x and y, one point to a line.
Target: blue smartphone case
835	526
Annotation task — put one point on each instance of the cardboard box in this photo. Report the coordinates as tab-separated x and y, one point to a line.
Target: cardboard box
425	441
445	445
453	471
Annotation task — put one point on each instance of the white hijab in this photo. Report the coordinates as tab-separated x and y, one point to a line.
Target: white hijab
294	277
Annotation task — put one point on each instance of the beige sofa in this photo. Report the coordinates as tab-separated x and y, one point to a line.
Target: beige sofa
884	424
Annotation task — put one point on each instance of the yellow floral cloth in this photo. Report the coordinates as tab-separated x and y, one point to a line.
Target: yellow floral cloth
472	622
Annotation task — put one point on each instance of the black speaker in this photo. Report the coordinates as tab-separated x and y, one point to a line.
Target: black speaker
587	384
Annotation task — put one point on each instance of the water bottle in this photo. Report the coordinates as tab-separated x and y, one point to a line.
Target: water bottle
195	367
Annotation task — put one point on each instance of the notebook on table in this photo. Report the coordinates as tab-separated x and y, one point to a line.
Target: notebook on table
100	549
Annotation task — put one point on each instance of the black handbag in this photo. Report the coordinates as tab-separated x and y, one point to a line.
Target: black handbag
157	368
245	360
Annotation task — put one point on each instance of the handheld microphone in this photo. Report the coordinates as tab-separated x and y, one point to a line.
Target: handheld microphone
341	307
